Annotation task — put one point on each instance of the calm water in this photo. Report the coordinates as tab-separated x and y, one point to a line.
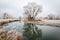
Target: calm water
48	32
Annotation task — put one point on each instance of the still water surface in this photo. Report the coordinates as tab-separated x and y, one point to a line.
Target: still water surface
48	32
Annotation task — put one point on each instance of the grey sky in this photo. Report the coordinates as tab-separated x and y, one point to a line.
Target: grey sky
15	7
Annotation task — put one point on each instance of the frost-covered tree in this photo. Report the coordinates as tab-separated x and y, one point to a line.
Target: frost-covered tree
31	10
53	17
6	16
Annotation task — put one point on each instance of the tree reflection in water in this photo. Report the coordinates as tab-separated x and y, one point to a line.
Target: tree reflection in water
31	32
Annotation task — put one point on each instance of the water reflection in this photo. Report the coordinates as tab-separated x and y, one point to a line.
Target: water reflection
31	32
15	26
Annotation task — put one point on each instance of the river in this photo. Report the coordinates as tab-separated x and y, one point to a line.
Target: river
48	32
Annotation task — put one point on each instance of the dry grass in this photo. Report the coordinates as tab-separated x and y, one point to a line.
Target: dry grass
9	35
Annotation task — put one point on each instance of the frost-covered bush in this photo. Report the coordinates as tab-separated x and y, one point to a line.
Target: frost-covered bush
9	35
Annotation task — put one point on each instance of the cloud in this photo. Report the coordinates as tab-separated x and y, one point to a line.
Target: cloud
16	6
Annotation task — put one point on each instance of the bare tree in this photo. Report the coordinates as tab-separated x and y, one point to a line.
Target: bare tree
50	16
6	16
53	17
31	10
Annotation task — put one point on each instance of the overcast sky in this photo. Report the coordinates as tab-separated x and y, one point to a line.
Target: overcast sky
15	7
